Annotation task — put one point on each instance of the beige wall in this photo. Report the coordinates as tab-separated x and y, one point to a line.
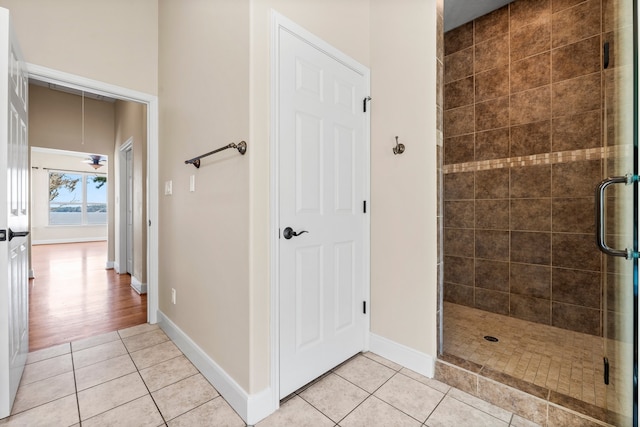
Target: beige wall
55	121
403	187
204	235
112	41
41	232
131	123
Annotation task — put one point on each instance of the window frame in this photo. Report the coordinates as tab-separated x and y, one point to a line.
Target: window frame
83	203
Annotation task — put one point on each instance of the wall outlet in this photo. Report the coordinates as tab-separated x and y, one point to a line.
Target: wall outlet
168	188
173	296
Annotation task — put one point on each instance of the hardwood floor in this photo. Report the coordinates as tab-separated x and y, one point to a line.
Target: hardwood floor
73	296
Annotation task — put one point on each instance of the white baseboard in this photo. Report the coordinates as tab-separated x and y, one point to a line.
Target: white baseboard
251	407
72	240
109	265
417	361
138	286
260	406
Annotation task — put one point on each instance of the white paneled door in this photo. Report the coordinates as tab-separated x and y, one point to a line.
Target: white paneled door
129	208
323	228
14	219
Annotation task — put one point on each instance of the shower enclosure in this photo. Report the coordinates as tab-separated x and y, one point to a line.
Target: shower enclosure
538	110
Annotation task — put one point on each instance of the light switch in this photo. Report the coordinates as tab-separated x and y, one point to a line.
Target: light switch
168	188
192	183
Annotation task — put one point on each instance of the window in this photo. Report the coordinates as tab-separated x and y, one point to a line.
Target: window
77	198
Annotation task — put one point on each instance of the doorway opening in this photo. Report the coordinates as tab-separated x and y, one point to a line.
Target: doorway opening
119	287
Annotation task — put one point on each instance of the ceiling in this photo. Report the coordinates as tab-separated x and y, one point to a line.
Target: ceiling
458	12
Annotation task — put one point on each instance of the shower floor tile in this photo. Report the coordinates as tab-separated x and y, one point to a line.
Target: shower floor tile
562	361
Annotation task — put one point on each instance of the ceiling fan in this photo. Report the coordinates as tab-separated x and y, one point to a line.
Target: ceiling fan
95	160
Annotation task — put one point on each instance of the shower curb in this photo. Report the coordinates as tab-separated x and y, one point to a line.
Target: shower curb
533	404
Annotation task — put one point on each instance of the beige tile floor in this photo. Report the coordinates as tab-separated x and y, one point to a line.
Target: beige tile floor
138	377
568	362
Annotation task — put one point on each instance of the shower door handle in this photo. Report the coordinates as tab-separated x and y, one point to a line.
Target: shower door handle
600	216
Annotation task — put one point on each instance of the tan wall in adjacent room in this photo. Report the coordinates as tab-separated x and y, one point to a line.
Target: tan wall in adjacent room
55	121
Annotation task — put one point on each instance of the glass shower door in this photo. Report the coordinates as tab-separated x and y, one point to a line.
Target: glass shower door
616	211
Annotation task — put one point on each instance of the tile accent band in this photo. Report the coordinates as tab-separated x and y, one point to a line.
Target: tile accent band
617	151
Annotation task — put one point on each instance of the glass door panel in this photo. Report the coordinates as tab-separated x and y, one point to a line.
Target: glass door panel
618	215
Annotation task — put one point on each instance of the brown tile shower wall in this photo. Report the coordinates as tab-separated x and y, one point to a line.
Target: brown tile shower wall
522	155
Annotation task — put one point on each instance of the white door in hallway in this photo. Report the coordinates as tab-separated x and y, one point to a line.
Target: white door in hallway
323	182
14	219
129	209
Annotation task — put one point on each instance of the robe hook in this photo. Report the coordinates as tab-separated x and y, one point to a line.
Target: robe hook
399	148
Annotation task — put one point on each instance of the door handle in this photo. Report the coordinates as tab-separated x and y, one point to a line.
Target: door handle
289	233
13	234
600	215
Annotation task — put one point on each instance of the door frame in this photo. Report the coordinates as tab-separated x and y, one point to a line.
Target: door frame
121	212
279	22
636	213
151	101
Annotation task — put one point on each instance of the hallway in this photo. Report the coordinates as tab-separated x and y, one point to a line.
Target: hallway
73	296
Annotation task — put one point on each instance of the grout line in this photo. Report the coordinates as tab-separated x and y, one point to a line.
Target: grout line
128	353
384	401
104	382
444	396
142	379
478	409
371	394
75	384
353	410
325	415
367	391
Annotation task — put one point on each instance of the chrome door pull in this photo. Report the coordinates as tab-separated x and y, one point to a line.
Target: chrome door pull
289	233
600	215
